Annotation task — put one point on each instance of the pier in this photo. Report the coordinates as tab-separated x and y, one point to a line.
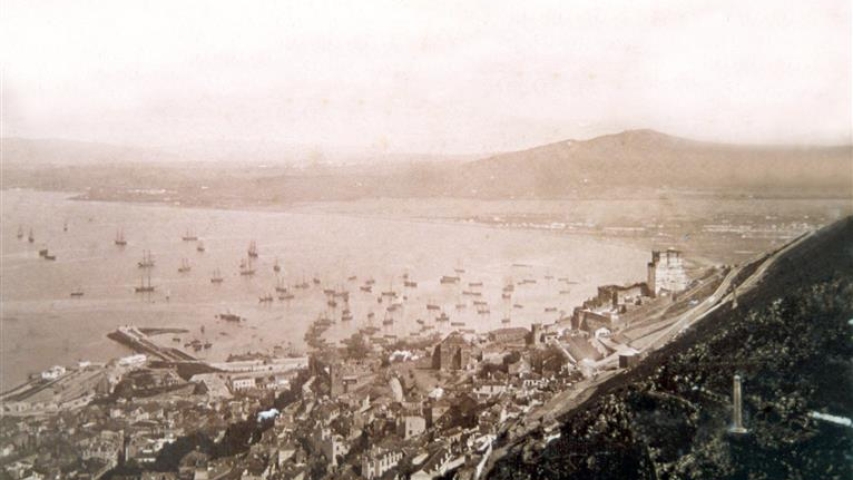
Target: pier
138	341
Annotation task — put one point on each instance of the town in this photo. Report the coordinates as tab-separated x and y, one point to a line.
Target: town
371	408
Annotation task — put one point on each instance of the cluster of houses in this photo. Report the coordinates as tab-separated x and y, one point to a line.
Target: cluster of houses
407	410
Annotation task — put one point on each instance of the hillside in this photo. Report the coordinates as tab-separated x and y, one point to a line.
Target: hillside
628	164
790	339
645	158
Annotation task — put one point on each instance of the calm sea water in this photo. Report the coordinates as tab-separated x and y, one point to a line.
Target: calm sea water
41	325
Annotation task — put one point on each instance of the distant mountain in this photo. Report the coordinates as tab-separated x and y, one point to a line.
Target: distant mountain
630	163
646	158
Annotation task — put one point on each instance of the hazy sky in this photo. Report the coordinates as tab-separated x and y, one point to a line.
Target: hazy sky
426	76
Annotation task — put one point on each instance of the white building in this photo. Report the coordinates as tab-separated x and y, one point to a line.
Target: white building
53	372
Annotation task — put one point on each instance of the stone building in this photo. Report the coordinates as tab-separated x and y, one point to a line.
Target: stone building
453	353
666	272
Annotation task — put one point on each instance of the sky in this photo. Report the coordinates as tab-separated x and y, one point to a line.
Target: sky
429	77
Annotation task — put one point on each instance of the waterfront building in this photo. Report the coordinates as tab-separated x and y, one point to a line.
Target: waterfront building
666	272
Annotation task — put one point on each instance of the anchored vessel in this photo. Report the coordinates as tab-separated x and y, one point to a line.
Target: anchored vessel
145	286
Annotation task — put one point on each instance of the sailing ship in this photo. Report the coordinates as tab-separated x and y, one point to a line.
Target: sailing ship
200	247
253	250
189	236
120	240
246	268
217	277
145	286
185	266
147	260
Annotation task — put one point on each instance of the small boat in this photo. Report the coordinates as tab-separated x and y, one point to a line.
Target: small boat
31	238
200	247
265	298
457	324
276	267
509	288
42	252
483	311
518	306
332	303
432	306
207	345
389	293
189	236
366	288
20	233
65	227
460	271
475	284
410	284
479	303
253	250
145	287
461	306
550	309
419	321
286	296
506	296
280	286
316	281
147	260
442	318
230	317
352	278
388	321
49	257
446	279
120	240
77	293
217	277
505	320
369	281
185	266
346	316
565	292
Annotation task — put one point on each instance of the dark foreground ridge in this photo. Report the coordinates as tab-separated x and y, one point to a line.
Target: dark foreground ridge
789	339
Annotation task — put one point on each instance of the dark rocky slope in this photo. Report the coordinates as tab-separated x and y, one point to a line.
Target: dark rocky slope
792	341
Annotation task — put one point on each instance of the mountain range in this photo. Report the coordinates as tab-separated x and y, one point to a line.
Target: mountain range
631	161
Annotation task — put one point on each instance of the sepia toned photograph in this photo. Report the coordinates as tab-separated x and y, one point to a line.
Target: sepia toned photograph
413	240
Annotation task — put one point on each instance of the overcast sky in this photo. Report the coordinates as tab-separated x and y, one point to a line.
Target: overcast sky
431	77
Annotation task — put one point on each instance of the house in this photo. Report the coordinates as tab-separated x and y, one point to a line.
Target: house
379	460
410	426
242	383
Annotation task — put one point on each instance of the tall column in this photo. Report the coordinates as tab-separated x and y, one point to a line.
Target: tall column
737	416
